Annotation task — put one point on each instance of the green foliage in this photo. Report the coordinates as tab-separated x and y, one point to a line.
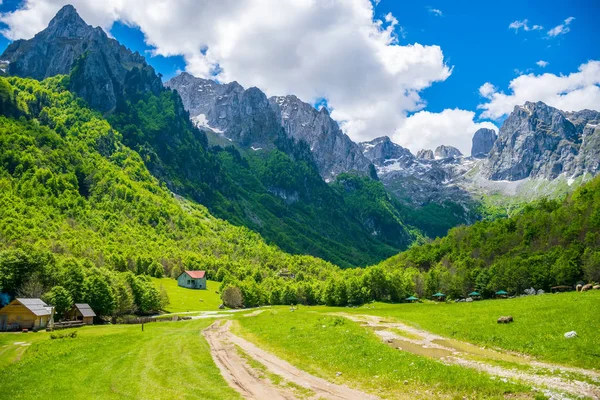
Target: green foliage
60	298
549	243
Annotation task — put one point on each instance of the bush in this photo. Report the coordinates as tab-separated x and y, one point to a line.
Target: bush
71	335
232	297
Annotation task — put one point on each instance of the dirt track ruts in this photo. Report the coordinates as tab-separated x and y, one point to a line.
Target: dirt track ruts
247	381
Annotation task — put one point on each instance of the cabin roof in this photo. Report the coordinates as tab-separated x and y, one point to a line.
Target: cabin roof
195	274
85	309
36	306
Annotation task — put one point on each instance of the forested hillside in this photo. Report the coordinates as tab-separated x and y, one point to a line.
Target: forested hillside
550	243
79	209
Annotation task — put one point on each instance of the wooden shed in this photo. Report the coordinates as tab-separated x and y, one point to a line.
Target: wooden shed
24	313
192	279
81	312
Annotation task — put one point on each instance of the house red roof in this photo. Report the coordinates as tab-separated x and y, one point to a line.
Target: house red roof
196	274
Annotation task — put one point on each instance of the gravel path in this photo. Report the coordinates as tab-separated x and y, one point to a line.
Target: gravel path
248	381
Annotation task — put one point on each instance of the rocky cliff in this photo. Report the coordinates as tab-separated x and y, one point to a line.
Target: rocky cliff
483	141
247	117
539	141
103	67
446	152
333	151
242	115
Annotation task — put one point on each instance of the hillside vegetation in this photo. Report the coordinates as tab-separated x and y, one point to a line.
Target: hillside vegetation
549	243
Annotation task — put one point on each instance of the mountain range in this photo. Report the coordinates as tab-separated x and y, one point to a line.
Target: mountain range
286	170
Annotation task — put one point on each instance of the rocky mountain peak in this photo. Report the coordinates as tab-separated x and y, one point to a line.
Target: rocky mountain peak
539	141
446	152
382	150
483	141
104	66
425	154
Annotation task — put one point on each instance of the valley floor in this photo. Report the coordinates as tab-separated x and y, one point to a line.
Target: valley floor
416	351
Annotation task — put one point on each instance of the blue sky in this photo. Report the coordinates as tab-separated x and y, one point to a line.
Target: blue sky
322	56
477	42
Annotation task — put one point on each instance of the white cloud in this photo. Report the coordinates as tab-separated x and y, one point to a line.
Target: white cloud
487	89
336	50
427	130
435	11
542	63
562	28
516	25
573	92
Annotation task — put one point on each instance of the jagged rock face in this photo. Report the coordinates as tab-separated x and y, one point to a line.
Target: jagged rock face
382	150
103	65
242	115
446	152
333	151
425	154
248	117
539	141
483	141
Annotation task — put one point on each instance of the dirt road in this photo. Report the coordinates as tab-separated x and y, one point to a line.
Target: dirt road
408	338
248	380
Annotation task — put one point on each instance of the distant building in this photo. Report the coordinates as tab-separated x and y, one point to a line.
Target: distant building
192	279
25	314
81	312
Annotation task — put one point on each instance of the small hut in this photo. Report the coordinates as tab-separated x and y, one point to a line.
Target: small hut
501	294
411	299
81	312
439	296
475	295
24	313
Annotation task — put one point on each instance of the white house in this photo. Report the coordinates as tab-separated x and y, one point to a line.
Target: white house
192	279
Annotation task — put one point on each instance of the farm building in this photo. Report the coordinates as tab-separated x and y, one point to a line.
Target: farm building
192	279
25	314
81	312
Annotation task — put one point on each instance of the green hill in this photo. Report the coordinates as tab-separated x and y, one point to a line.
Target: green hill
549	243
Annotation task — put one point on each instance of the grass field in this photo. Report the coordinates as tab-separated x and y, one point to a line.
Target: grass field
325	345
183	299
168	360
540	323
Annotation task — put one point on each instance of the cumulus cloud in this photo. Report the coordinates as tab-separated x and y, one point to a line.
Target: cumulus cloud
335	50
516	25
562	28
435	11
573	92
542	63
426	130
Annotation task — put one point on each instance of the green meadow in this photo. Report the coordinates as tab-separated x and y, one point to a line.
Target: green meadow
168	360
342	351
184	300
540	323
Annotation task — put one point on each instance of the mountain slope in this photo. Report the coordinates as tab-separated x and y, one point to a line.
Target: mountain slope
70	185
230	109
549	243
276	191
100	79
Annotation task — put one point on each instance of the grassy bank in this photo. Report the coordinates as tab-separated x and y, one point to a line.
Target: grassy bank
325	345
539	327
183	299
166	361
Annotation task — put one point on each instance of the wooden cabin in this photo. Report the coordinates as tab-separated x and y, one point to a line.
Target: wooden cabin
25	314
192	279
81	312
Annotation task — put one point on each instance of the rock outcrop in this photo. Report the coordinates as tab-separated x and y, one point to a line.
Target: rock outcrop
245	116
446	152
483	141
425	154
104	69
248	117
539	141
